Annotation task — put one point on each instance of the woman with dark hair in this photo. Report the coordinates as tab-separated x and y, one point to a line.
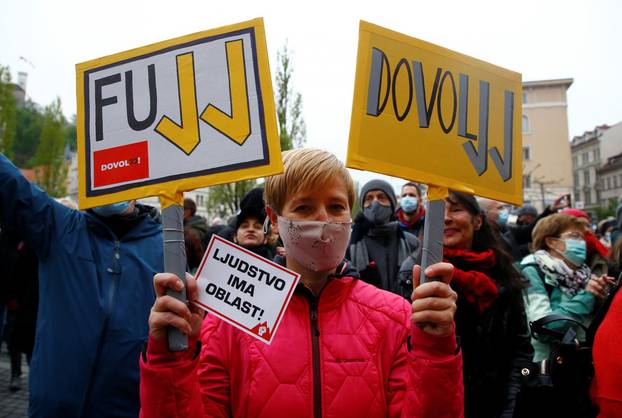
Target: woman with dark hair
490	321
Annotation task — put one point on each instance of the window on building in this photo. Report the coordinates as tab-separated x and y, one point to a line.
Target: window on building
575	161
620	180
525	123
597	154
526	154
608	183
586	177
585	158
615	182
526	181
576	178
524	97
588	197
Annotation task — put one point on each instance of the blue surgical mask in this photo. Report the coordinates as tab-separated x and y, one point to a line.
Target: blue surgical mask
576	251
111	210
409	204
503	217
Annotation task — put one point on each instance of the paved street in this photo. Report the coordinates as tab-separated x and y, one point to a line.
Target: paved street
12	404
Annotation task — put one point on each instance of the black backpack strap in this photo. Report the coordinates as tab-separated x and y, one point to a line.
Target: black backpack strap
539	327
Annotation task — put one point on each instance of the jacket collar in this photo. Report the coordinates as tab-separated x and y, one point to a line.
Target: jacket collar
148	225
336	289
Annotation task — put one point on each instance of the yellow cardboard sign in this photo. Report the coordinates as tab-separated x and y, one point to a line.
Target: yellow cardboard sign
177	115
428	114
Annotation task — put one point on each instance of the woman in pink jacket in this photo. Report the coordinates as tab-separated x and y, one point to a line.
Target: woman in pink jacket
343	348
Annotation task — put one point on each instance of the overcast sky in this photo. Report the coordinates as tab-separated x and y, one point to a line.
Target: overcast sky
540	39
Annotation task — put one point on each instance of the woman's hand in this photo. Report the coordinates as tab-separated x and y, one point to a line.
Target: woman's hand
169	311
434	302
599	286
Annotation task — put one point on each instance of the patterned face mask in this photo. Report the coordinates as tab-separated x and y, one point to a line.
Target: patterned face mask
318	246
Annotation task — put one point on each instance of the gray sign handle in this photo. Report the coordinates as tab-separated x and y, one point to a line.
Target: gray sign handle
433	231
175	262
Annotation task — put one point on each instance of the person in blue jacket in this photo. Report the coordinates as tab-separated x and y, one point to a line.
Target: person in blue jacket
95	295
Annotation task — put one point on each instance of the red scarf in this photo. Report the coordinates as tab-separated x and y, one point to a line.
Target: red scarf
401	217
595	246
472	275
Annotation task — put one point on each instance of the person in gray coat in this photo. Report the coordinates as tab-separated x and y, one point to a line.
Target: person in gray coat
378	246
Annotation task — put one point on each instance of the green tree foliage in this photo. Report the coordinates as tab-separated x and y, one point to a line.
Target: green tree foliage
7	113
52	173
28	132
292	128
71	135
224	199
603	212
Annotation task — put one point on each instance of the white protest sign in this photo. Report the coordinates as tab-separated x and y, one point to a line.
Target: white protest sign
246	290
177	115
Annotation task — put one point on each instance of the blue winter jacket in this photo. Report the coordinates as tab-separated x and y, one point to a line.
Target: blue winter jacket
95	294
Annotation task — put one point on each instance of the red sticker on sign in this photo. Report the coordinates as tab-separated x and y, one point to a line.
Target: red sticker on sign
121	164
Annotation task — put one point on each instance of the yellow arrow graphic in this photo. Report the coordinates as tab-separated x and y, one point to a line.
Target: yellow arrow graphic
185	135
236	126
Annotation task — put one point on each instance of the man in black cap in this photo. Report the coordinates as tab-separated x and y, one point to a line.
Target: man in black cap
378	245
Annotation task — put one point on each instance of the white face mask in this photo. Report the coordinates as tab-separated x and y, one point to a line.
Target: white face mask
317	246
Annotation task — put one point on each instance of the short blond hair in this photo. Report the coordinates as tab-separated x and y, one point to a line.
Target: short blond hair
304	169
553	226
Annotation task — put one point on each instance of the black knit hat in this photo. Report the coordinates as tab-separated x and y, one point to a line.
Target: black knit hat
381	185
251	205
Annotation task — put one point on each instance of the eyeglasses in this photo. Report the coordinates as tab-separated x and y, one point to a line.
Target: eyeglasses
572	235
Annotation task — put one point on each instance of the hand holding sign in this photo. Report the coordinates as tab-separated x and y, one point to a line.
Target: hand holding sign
247	291
434	302
170	312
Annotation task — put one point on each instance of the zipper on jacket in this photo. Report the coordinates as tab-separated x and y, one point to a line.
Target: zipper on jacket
315	342
114	276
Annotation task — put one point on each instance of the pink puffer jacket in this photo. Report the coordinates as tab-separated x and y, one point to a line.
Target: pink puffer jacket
350	353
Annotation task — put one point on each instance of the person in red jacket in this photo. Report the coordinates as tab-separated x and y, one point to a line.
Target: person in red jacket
344	348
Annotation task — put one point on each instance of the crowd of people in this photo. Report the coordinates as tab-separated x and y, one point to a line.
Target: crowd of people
84	299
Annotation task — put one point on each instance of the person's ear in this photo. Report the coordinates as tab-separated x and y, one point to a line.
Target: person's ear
477	222
272	215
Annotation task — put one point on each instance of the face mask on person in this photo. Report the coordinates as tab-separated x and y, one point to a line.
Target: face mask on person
576	251
318	246
111	210
377	213
409	204
504	214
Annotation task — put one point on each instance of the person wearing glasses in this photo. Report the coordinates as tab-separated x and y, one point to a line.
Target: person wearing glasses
560	282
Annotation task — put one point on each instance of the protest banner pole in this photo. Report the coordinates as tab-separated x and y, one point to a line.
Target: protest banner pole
174	258
433	229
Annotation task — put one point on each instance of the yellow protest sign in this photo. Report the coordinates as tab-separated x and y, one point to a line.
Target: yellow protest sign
428	114
180	114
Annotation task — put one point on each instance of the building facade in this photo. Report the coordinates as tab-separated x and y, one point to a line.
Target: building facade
610	180
586	160
547	168
596	162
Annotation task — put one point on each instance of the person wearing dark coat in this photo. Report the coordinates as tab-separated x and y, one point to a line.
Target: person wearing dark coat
490	321
24	302
378	246
411	213
95	295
